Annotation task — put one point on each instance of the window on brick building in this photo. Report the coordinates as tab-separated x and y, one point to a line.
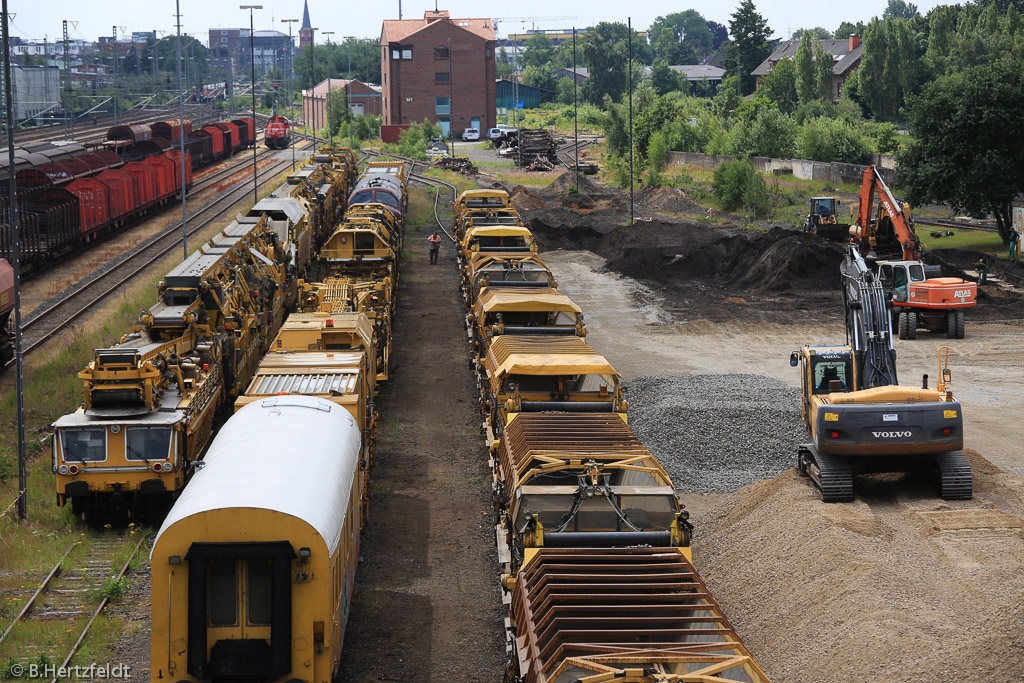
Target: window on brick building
441	77
406	53
441	52
442	105
489	53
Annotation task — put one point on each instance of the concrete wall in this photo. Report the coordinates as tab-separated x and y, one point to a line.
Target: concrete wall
800	168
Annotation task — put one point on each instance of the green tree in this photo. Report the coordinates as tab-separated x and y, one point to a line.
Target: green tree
605	53
537	51
770	134
540	77
681	37
735	185
657	152
826	139
900	9
847	29
806	82
823	72
964	149
565	91
888	68
818	33
503	66
663	79
779	85
750	34
885	138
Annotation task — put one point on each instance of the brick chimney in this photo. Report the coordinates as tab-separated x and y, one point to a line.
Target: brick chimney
854	41
432	16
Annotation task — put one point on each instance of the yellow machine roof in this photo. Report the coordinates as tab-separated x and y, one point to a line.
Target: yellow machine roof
340	322
497	231
494	300
527	355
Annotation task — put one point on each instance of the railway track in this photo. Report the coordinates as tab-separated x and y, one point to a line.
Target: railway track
93	130
958	225
55	316
565	155
74	596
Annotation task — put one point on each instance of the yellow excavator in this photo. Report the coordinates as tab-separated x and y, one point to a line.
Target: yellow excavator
860	419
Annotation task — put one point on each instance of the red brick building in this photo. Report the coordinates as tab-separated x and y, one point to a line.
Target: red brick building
362	99
422	80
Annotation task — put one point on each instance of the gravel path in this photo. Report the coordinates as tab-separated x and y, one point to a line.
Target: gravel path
717	433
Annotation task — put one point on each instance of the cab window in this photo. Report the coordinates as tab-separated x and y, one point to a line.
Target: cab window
825	371
84	445
147	443
917	273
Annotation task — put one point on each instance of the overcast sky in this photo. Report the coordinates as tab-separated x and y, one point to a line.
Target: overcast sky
35	19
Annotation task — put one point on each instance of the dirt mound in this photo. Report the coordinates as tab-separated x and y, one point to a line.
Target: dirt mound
562	227
661	199
672	252
897	586
525	200
560	186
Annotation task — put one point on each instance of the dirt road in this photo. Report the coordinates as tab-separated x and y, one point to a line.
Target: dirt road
427	605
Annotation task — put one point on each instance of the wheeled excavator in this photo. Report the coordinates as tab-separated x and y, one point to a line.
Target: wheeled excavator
887	240
860	419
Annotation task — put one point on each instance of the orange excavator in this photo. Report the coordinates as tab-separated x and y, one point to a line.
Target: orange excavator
886	238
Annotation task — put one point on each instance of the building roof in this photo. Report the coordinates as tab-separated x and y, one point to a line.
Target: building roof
305	17
339	84
696	72
839	49
580	71
397	30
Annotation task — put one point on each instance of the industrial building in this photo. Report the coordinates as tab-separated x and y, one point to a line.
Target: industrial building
439	69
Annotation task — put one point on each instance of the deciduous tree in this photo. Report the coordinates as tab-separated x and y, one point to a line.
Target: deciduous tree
749	47
964	149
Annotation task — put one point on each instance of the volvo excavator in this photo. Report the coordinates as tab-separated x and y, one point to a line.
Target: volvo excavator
887	240
860	419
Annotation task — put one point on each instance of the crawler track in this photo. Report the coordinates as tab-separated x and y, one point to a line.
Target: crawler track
49	320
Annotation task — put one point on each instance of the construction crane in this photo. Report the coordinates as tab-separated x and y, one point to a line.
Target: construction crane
533	20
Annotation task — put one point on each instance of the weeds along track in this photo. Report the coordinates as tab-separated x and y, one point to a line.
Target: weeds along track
51	318
47	618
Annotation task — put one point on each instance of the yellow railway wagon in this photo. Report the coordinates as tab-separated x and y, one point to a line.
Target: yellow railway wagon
254	567
534	311
484	270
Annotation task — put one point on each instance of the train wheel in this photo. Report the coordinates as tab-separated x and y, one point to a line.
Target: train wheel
911	325
960	325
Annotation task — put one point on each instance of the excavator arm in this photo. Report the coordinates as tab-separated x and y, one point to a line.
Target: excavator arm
902	228
868	323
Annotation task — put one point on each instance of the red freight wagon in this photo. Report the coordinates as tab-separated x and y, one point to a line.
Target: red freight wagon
144	177
175	157
77	168
166	184
221	141
246	131
133	133
56	174
146	148
170	130
232	133
120	192
111	159
49	226
199	146
93	205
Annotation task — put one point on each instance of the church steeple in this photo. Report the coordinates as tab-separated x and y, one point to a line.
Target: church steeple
306	32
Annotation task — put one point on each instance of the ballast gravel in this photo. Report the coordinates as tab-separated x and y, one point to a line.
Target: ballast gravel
717	433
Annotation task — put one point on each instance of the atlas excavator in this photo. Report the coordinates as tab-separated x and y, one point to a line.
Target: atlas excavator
886	238
860	419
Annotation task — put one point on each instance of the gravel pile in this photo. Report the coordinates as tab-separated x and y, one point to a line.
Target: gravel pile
717	433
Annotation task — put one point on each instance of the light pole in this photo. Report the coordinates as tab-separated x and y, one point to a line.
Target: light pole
330	129
252	66
181	137
348	89
291	95
312	90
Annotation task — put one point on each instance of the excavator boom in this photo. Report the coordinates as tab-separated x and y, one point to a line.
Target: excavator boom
866	234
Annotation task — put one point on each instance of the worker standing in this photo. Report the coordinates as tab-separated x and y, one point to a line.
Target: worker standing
434	243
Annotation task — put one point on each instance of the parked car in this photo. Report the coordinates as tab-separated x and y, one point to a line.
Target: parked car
471	134
494	134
